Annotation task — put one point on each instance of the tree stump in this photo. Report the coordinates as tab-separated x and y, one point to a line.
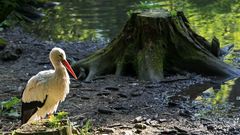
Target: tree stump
153	43
42	128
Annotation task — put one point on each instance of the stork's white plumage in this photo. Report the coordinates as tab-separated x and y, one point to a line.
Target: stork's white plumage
45	90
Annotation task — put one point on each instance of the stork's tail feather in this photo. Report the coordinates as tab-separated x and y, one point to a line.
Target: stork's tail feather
28	109
26	114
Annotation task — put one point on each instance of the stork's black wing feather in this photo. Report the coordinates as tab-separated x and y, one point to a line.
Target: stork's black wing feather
28	109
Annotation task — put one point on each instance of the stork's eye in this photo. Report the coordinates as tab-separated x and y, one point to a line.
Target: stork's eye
60	55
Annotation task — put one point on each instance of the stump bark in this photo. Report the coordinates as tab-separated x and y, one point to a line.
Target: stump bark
153	43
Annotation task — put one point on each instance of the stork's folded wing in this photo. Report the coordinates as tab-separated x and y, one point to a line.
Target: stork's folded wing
36	88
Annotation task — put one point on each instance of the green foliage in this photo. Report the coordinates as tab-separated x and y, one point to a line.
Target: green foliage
8	3
3	42
55	121
8	108
4	24
85	130
10	103
173	13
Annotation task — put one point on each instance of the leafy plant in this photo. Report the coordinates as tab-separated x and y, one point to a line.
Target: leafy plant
5	4
85	130
10	103
3	42
55	121
8	108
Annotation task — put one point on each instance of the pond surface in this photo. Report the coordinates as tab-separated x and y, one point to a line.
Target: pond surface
102	20
209	98
80	20
84	20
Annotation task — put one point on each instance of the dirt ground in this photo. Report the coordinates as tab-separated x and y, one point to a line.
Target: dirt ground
114	105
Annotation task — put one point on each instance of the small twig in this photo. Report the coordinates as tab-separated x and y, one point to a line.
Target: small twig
76	106
12	127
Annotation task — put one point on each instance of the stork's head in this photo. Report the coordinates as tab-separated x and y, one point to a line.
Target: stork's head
58	58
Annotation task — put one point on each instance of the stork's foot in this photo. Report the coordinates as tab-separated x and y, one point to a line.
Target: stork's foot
49	115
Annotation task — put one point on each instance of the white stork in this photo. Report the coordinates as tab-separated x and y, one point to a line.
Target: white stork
45	90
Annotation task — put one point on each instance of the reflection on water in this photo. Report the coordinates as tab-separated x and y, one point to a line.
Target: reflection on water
84	20
95	19
215	98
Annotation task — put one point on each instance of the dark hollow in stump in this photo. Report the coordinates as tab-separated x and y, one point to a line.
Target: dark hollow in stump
153	43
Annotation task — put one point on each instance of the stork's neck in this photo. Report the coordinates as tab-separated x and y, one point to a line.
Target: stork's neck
59	68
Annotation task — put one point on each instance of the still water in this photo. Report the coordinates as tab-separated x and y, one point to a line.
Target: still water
84	20
221	99
79	20
103	19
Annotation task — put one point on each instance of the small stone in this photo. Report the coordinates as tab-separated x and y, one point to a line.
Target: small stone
231	129
153	123
134	84
151	86
138	131
172	104
210	127
127	132
87	89
162	120
115	125
75	85
104	93
180	129
182	133
235	133
85	97
138	119
106	130
136	93
196	133
125	127
140	126
20	88
123	95
206	119
155	117
207	123
169	131
185	113
105	110
221	130
148	121
112	88
120	107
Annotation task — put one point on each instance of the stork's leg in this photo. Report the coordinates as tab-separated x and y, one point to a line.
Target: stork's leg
49	115
34	117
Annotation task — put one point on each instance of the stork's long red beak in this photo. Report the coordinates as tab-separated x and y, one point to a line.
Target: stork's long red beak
69	68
